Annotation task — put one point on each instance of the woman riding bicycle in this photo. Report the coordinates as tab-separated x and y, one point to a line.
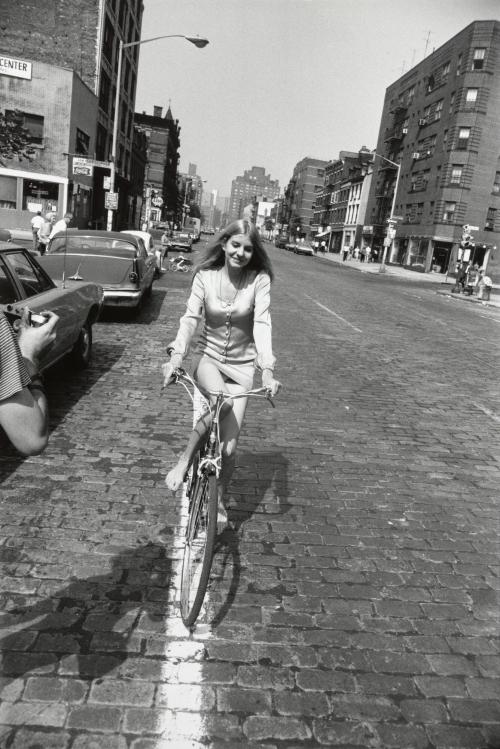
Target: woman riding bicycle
231	289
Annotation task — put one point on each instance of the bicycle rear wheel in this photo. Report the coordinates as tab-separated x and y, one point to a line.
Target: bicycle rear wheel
198	546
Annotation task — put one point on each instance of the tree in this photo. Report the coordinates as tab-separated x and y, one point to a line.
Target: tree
15	140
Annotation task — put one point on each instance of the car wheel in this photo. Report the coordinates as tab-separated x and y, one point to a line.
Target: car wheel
82	350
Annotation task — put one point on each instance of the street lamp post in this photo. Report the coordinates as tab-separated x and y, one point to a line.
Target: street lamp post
391	221
197	41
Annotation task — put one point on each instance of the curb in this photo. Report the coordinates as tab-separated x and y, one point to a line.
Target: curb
470	300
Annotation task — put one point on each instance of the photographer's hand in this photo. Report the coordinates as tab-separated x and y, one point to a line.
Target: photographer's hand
34	342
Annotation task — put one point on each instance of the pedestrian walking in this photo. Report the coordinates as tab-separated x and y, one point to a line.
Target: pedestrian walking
61	225
44	232
356	253
323	246
485	284
368	253
231	289
345	253
36	224
460	279
362	255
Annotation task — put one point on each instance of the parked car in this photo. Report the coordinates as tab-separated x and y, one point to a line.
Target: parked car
302	248
155	250
118	262
181	240
290	246
281	242
23	282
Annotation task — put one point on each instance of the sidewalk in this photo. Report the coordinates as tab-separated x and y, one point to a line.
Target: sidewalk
445	285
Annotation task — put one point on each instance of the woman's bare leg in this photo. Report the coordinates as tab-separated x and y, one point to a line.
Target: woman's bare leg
230	428
209	378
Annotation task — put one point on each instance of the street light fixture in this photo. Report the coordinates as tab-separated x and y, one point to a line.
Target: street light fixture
391	221
196	40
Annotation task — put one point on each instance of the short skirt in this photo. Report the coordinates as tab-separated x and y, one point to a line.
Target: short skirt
242	374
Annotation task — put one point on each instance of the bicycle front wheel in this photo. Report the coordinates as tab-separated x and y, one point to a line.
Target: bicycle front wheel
198	546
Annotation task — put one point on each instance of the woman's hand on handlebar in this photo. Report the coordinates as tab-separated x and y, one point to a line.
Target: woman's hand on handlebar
268	382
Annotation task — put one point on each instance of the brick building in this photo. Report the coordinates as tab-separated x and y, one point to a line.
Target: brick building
340	205
60	113
254	182
83	36
441	124
300	197
163	141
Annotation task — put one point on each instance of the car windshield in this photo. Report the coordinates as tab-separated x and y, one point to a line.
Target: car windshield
92	246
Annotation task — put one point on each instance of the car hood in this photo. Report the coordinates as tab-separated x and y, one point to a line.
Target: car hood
97	268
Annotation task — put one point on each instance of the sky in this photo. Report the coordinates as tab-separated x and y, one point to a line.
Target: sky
284	79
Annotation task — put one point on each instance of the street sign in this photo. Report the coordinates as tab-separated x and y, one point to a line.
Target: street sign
82	166
106	183
111	201
157	201
473	228
391	233
387	242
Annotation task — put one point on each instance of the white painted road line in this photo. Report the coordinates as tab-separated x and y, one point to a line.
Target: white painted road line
327	309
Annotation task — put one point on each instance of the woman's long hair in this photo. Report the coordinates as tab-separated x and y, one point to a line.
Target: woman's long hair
214	257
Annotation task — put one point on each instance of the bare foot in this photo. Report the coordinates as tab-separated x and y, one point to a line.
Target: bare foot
175	477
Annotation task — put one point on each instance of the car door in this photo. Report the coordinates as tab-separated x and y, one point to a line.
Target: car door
35	289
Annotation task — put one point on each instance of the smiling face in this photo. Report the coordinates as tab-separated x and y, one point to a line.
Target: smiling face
238	250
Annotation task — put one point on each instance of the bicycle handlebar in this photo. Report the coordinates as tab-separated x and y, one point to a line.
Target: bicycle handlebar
180	375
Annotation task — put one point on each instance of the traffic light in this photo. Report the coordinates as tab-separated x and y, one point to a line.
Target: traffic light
466	243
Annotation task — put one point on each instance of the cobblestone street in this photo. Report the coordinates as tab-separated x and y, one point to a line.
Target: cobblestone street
354	600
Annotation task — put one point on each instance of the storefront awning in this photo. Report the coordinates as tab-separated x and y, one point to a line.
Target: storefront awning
324	234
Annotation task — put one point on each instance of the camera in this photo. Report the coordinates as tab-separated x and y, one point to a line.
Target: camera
14	315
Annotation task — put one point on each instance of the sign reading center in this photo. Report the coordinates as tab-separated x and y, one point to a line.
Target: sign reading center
15	68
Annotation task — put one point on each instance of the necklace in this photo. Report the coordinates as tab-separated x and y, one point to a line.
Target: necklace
226	303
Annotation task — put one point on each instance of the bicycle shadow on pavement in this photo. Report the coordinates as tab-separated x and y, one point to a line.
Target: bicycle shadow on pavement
89	627
259	487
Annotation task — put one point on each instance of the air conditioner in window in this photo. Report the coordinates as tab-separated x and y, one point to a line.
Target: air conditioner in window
422	121
415	155
404	131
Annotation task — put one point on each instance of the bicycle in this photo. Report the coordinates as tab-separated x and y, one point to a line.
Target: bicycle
179	264
200	490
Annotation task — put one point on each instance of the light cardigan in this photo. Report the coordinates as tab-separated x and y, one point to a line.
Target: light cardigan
235	334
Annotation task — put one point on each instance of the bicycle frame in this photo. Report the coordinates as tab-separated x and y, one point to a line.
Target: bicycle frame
211	460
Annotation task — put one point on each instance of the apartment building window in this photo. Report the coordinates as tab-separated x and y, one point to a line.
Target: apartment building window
459	64
438	109
449	211
82	142
452	101
471	96
427	112
33	123
100	144
104	91
445	71
478	59
496	184
456	174
108	39
420	212
463	138
490	219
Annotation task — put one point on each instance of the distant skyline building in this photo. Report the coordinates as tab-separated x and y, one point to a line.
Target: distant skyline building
245	188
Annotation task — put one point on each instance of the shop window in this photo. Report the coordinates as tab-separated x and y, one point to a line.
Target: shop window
449	211
8	192
478	59
82	142
40	196
33	123
490	219
456	174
